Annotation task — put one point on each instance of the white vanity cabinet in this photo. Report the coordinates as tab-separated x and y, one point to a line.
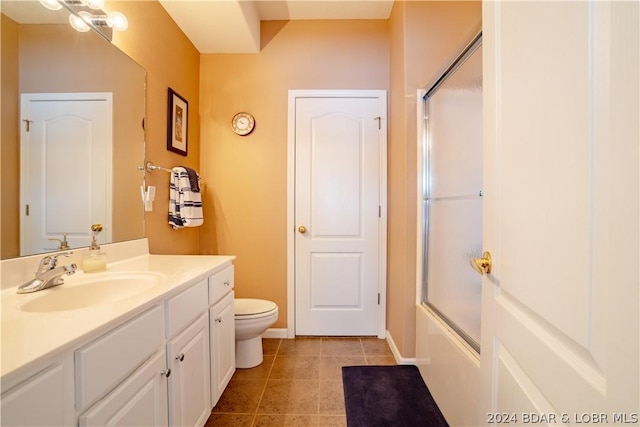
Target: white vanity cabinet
188	357
156	366
42	399
222	329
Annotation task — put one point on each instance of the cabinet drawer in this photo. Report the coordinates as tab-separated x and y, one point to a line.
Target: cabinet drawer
185	307
104	363
219	284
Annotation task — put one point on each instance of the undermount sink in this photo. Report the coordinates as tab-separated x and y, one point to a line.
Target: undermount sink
93	289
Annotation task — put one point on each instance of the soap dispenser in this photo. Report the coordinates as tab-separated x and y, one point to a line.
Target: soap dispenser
94	260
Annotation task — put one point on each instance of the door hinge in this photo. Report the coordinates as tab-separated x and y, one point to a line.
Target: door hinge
378	298
379	119
379	211
26	210
28	124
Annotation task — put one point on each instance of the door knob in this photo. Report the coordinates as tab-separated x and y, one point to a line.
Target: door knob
482	265
302	229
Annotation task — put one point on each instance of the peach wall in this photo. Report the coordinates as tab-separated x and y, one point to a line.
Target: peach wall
424	37
10	139
246	197
157	43
398	285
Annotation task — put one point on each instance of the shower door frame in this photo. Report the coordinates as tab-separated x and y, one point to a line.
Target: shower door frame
423	185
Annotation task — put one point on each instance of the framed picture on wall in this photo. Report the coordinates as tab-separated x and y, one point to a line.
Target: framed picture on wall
177	123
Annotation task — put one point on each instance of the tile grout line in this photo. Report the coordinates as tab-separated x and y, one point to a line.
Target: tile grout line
266	383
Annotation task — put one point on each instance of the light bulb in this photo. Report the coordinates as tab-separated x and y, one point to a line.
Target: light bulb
81	21
95	4
117	21
51	4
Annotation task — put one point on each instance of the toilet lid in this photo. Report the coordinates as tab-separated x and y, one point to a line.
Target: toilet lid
250	306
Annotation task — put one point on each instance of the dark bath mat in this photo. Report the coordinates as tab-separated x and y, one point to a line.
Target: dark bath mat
388	396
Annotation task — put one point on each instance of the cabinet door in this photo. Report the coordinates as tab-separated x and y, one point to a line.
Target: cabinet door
141	400
44	392
189	386
108	360
223	346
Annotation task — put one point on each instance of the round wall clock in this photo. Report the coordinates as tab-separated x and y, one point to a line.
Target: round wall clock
243	123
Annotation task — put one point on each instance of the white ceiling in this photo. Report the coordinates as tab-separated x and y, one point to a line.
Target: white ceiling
233	26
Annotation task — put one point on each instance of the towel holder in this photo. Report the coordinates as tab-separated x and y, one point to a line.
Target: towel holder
151	167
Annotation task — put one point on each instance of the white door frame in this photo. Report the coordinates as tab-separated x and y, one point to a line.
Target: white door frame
382	228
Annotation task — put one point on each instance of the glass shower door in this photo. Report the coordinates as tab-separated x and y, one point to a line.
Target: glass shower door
453	195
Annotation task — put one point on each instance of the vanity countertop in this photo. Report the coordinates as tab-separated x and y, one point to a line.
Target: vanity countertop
28	337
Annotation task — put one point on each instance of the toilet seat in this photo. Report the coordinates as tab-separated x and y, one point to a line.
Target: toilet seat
249	308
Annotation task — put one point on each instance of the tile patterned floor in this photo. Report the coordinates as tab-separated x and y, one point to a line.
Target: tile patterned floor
298	384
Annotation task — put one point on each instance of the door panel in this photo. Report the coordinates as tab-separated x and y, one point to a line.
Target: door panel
64	131
336	176
338	200
559	331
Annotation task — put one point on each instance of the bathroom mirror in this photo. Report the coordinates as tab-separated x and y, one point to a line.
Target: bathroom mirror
44	188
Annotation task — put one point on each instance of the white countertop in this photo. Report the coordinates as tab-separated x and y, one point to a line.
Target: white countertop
28	337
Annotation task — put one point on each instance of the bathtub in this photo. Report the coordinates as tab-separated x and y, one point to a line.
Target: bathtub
449	367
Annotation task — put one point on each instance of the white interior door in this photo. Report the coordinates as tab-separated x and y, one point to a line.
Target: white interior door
338	213
66	146
560	308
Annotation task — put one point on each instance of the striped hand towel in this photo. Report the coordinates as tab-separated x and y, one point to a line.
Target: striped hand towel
185	205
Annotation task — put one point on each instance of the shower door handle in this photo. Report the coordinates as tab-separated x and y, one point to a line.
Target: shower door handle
482	265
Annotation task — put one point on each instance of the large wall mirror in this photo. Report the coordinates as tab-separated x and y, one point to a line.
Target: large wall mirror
72	135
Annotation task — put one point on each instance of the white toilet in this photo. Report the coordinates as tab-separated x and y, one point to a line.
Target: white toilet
253	318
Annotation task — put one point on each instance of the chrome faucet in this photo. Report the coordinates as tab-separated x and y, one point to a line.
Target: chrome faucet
48	274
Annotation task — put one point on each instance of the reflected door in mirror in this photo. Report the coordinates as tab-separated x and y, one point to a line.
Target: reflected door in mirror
66	151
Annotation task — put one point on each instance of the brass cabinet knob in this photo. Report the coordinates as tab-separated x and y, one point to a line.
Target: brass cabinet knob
302	229
482	265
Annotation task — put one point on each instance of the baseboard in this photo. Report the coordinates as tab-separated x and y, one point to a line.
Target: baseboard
396	353
275	333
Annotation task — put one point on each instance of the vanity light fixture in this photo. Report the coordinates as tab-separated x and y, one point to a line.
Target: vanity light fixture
80	22
95	4
57	4
115	20
51	4
83	20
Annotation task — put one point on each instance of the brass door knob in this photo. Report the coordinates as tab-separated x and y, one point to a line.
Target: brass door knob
482	265
302	229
